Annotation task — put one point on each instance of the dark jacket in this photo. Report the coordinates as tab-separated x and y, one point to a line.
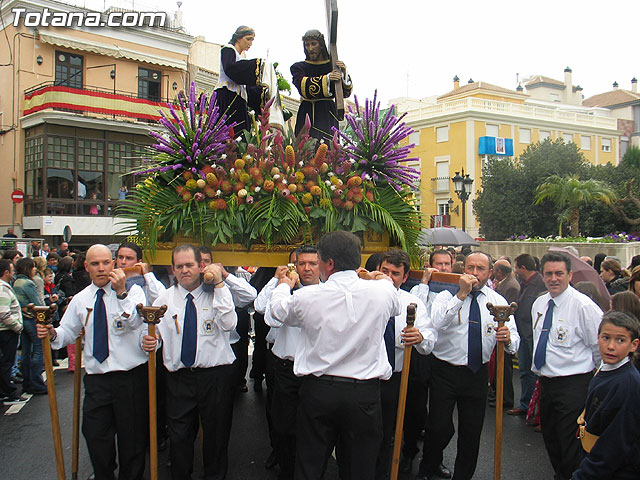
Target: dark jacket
529	291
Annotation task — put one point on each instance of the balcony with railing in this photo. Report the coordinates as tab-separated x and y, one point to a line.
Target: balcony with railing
93	102
440	184
531	112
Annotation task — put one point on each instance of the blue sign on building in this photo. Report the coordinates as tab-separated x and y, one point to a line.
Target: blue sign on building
495	146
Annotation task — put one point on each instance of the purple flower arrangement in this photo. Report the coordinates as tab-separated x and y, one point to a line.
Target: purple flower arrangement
373	147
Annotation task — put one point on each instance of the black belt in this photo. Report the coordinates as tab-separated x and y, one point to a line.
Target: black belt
333	378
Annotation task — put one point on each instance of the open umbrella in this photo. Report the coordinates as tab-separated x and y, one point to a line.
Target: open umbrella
583	272
445	236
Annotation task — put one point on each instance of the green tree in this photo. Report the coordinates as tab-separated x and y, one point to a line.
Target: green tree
506	203
569	192
632	157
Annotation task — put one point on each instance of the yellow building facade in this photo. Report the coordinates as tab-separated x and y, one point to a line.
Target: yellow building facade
449	129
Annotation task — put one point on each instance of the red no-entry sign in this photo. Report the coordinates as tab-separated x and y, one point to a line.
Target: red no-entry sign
17	196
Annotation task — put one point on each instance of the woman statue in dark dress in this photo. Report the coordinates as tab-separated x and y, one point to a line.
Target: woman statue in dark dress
239	82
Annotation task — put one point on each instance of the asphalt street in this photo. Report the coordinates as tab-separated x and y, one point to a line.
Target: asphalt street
27	447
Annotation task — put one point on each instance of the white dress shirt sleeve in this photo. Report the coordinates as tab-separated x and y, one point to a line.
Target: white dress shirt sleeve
514	344
589	319
426	328
261	301
445	309
153	287
71	324
223	304
282	306
242	291
128	305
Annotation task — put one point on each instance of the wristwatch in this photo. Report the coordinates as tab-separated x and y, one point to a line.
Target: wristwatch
122	296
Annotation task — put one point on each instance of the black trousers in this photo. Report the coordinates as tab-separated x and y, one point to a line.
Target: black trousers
259	357
332	411
389	393
453	386
507	394
561	402
286	398
8	347
269	378
241	349
116	404
204	395
415	414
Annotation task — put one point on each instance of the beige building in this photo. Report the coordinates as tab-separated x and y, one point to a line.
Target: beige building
624	105
459	130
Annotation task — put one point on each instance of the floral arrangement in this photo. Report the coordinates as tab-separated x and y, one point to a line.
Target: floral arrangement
622	237
265	186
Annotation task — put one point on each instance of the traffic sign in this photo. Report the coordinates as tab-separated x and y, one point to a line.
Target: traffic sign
17	196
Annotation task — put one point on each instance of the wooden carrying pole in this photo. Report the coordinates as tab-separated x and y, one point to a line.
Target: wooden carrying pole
77	389
402	398
43	317
151	316
501	315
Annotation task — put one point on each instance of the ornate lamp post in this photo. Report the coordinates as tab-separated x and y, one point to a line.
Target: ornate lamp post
462	187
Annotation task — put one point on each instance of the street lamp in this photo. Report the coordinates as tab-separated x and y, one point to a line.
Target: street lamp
462	187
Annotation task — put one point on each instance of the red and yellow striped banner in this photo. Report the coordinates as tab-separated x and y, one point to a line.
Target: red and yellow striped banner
95	102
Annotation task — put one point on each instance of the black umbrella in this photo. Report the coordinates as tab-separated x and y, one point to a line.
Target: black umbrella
446	236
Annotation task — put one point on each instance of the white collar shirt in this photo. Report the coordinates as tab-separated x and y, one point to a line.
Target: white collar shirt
572	345
260	304
342	324
422	323
216	317
450	316
124	328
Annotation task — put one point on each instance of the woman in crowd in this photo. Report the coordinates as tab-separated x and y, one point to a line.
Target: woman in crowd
80	276
614	278
32	357
38	278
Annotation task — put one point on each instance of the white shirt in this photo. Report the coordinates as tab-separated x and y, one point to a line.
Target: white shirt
243	294
572	345
216	317
242	291
423	323
450	316
423	293
607	367
125	328
260	305
342	325
152	288
286	341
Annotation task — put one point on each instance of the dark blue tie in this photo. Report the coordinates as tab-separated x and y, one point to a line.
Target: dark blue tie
189	333
541	350
100	328
474	361
390	341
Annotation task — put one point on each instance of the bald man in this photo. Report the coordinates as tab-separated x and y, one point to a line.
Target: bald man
115	400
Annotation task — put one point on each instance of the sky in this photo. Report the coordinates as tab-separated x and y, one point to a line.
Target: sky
415	47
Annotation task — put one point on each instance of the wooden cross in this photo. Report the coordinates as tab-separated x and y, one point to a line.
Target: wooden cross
332	27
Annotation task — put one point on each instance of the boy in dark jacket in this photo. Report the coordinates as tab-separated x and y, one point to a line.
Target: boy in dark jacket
611	413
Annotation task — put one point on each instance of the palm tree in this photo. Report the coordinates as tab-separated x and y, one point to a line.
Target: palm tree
570	192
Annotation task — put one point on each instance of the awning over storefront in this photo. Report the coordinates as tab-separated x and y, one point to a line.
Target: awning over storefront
110	50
